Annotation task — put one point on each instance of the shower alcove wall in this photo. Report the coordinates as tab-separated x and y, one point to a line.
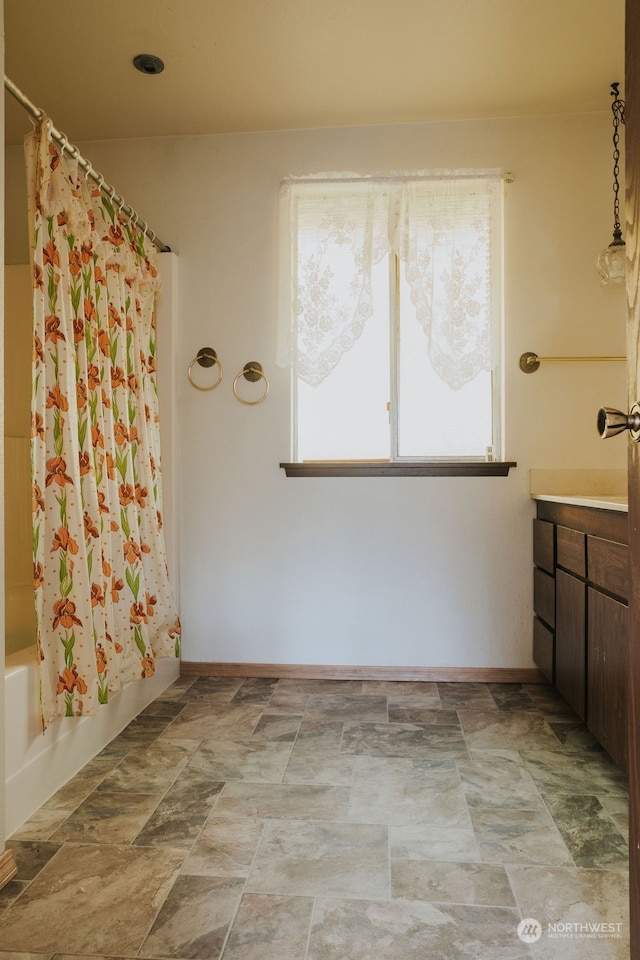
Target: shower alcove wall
39	764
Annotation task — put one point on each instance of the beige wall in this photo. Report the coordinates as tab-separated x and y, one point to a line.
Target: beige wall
370	571
19	611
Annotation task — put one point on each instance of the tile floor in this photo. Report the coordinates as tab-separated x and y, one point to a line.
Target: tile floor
330	820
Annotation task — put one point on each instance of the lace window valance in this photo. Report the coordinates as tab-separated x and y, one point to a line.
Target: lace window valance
444	229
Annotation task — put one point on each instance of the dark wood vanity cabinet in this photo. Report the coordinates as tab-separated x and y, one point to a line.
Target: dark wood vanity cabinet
581	586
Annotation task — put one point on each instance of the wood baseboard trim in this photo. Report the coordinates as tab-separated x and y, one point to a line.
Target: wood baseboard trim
301	671
8	868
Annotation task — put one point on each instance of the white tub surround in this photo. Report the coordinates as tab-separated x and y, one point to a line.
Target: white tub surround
38	764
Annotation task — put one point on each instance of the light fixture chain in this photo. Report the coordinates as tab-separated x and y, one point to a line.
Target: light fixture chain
618	117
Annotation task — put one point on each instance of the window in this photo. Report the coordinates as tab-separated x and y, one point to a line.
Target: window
391	316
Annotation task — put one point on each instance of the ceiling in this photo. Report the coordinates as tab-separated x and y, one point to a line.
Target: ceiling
240	65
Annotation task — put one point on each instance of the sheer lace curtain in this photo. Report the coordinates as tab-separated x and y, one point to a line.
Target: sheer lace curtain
333	232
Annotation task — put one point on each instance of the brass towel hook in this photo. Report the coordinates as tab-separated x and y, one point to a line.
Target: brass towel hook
205	357
252	372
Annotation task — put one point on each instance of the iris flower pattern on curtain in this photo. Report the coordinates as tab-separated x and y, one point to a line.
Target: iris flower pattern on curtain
104	607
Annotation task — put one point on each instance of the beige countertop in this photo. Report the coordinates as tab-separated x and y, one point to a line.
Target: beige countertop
594	501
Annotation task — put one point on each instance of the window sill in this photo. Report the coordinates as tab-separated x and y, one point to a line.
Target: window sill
397	468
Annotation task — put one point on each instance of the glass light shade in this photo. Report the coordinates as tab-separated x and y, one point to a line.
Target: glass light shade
612	263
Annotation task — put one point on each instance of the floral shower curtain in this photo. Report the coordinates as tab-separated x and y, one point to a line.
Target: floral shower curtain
104	606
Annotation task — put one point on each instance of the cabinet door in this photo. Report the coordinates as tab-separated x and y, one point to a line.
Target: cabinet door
571	641
607	674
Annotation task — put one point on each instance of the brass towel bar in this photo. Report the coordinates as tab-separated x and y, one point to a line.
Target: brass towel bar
529	362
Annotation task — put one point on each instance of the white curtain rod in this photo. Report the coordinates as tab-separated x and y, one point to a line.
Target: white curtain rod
93	174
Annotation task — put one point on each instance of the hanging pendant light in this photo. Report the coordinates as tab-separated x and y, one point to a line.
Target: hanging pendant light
612	262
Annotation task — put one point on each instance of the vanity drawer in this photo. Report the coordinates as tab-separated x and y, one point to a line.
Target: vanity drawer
544	545
572	553
544	597
608	565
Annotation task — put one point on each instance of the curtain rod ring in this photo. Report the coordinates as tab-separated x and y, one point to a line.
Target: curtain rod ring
252	372
63	141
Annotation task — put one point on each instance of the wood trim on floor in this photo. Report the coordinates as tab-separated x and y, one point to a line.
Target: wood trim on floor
301	671
8	868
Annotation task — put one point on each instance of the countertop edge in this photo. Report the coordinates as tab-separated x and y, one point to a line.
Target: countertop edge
618	504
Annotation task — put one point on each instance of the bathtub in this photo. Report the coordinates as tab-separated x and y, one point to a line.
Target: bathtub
37	764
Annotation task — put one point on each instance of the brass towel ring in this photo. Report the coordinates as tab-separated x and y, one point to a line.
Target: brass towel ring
252	372
206	357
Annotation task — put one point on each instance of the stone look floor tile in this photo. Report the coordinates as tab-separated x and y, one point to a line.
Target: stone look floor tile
260	761
295	801
511	696
75	791
148	771
319	736
270	928
618	810
400	712
518	836
213	689
574	736
10	955
114	890
340	707
225	848
108	818
447	882
499	784
31	856
418	690
567	774
404	740
413	931
255	690
425	842
457	695
273	726
488	729
549	702
310	768
398	791
341	688
163	708
194	919
322	860
180	815
456	785
590	834
41	825
555	895
203	720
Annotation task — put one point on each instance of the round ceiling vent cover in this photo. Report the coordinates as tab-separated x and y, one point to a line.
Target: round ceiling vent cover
148	63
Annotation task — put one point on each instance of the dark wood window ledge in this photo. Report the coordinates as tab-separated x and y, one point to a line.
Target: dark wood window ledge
398	468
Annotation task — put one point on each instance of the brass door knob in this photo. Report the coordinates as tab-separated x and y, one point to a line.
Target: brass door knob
611	422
